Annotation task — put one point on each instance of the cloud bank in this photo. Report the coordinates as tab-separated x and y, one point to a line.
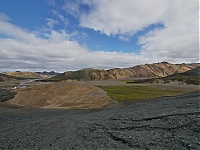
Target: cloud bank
24	50
177	41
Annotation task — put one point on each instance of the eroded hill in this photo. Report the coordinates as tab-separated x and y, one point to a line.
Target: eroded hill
63	95
28	75
4	77
51	73
140	71
189	77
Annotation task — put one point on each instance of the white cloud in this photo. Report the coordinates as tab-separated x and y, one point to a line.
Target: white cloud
23	50
124	38
60	16
177	41
11	30
51	22
120	17
72	7
4	17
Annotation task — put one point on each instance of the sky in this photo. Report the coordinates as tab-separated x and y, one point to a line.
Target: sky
63	35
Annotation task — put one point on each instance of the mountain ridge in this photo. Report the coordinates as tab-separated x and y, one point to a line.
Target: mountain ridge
28	75
50	73
189	77
161	69
4	77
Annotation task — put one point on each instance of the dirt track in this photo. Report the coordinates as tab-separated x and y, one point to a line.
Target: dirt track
164	123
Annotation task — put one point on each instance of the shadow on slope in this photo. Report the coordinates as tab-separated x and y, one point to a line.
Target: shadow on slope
4	77
140	71
188	77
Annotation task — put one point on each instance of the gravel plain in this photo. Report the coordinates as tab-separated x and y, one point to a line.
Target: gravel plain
163	123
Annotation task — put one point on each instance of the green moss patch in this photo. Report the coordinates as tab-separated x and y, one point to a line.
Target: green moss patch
142	92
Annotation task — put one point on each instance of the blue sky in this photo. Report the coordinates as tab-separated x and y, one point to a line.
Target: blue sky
66	35
32	15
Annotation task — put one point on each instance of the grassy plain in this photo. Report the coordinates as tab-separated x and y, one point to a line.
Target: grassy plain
144	91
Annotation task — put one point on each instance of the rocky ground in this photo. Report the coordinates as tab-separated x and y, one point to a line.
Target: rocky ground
6	95
163	123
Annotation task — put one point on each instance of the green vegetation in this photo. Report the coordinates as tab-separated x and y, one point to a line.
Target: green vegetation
142	92
150	80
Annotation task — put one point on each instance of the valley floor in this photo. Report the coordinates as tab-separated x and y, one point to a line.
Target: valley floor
162	123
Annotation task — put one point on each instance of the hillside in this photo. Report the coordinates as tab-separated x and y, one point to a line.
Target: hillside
162	69
63	95
189	77
191	73
4	77
29	75
51	73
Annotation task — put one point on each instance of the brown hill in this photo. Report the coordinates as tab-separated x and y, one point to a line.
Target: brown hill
140	71
29	75
4	77
189	77
51	73
63	95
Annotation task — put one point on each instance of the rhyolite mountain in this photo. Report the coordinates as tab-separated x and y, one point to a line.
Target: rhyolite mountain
50	73
162	69
189	77
4	77
27	75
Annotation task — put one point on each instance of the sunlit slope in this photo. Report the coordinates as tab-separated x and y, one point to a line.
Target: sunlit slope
30	75
4	77
63	95
141	71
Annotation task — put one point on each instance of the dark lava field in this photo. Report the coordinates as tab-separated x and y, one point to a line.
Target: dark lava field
163	123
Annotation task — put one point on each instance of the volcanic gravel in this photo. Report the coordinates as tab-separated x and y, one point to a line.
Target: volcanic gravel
6	95
163	123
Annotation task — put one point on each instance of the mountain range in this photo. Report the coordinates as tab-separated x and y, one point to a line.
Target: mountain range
162	69
189	77
51	73
29	75
4	77
155	70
